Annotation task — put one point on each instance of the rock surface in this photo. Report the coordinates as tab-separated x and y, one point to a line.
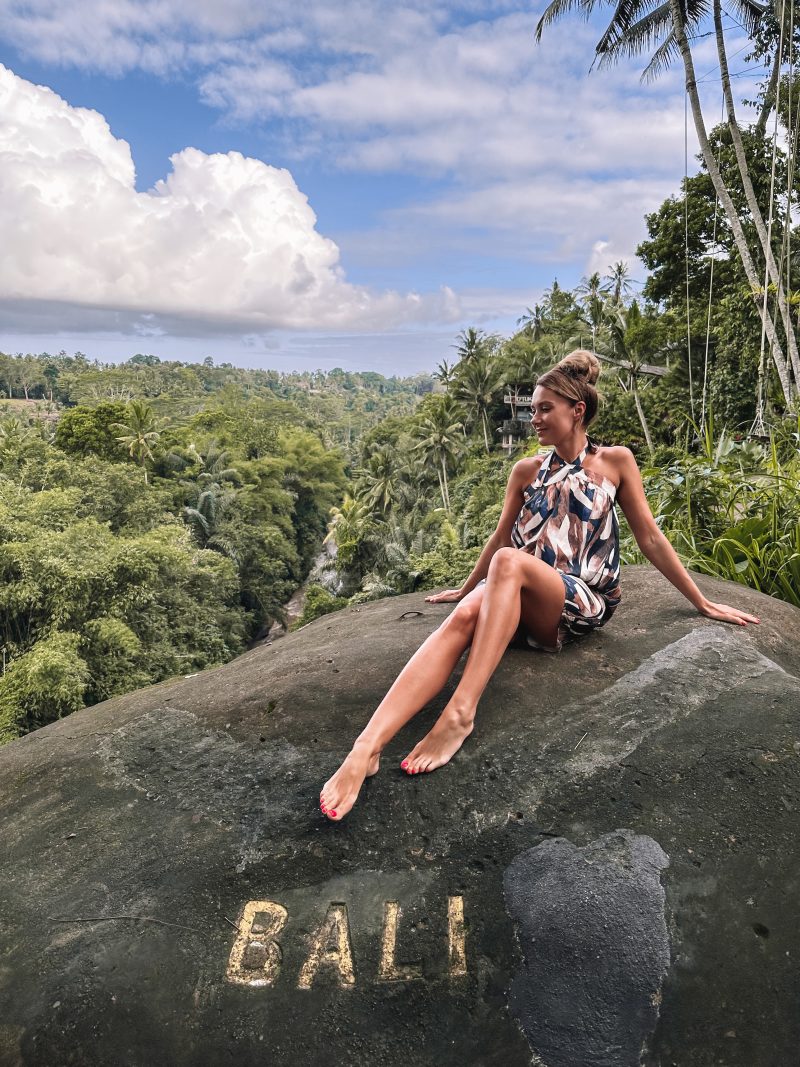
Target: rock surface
220	918
594	940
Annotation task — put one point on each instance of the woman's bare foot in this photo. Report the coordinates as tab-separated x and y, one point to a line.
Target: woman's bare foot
339	792
441	744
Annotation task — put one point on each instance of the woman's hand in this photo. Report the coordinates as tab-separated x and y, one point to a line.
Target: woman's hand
725	613
441	598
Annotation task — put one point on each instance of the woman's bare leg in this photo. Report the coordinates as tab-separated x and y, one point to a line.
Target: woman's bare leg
519	588
419	681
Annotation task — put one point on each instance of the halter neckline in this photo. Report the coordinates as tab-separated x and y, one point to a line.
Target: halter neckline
578	461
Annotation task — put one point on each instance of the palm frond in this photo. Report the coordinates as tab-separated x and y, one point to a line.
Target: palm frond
224	546
626	14
621	41
558	8
748	13
661	59
195	518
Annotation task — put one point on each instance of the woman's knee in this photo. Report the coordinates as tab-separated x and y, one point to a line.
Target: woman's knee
464	617
505	561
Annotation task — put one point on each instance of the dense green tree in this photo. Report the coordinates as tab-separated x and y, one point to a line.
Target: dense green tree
318	602
91	430
44	684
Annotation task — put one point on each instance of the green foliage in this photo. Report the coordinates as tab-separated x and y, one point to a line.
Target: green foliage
447	563
138	433
42	685
84	430
733	510
166	573
318	602
734	370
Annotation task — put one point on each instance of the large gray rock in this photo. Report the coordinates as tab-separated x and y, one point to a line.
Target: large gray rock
215	915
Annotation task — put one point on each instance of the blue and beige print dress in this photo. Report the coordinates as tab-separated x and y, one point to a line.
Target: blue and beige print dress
569	521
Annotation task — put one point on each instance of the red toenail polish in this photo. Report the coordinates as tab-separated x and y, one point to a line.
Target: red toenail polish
404	764
333	813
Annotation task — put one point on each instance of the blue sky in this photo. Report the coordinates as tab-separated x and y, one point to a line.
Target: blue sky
296	187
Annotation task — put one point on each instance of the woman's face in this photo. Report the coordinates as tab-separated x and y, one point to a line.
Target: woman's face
553	416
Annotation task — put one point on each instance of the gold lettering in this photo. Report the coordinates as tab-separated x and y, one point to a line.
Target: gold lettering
456	937
255	958
389	970
330	947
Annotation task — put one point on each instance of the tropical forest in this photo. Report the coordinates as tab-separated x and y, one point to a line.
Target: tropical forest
159	517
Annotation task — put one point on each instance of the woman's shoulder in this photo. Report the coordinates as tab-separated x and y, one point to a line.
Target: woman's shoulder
616	454
617	459
527	468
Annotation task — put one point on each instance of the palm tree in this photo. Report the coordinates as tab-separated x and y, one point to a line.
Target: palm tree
380	481
440	440
476	385
614	346
140	435
747	184
394	572
619	283
636	26
523	361
531	322
592	295
213	462
444	373
205	515
470	344
15	439
353	529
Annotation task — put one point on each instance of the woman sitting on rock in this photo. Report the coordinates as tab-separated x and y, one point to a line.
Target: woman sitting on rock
560	510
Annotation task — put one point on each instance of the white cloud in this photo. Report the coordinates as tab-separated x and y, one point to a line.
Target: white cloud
223	239
537	162
160	35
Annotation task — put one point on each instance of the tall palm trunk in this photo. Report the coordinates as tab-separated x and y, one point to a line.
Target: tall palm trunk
640	412
441	487
443	483
485	435
749	192
725	198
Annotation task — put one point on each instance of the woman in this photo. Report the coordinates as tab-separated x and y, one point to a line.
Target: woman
560	509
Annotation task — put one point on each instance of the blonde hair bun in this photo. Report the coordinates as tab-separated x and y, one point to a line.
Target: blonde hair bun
580	364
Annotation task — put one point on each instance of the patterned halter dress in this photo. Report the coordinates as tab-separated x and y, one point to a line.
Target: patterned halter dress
569	521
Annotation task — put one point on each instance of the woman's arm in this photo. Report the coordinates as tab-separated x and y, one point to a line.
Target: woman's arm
522	474
655	546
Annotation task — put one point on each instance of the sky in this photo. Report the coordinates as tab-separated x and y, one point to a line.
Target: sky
303	186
